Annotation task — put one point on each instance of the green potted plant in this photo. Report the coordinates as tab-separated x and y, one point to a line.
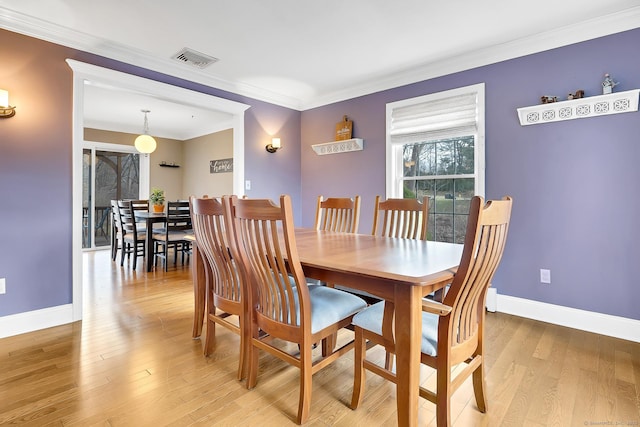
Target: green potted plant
157	199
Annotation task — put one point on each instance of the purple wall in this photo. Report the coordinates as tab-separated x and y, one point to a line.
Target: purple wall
573	182
35	165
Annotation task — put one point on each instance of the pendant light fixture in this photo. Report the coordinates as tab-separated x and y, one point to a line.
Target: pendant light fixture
145	142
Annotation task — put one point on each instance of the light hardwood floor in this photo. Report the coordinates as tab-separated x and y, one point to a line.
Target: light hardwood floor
132	362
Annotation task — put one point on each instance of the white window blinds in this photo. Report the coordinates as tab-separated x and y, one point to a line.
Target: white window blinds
435	119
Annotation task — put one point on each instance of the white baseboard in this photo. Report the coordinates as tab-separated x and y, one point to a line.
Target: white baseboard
30	321
604	324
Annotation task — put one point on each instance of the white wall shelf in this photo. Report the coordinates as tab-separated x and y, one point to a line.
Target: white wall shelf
592	106
336	147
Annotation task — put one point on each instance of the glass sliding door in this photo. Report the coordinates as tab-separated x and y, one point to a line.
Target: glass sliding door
106	175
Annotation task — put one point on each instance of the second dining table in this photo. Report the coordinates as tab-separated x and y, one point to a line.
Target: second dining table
402	271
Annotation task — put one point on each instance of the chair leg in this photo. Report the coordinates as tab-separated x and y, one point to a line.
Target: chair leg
135	255
443	396
210	337
166	257
479	387
329	344
388	361
156	249
358	373
124	249
252	359
242	359
304	404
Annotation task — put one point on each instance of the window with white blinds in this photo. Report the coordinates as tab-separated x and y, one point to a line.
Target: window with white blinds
435	148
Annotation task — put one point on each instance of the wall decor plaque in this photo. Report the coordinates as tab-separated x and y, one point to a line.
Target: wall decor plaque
344	129
221	165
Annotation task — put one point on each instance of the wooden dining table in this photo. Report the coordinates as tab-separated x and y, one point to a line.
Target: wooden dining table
402	271
150	218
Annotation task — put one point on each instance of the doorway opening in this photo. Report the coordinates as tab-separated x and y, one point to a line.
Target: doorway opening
87	74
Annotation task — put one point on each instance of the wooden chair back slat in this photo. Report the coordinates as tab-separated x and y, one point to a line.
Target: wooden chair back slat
401	218
340	214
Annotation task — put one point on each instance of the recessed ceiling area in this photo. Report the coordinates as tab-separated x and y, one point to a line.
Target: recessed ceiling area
115	109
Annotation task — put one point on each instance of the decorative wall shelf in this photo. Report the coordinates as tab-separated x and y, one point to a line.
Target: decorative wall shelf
167	165
336	147
601	105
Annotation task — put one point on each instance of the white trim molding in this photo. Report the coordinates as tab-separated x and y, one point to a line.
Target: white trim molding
604	324
35	320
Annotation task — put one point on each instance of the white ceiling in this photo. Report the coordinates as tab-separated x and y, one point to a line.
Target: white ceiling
302	54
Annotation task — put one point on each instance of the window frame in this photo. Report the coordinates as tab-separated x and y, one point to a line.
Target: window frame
394	160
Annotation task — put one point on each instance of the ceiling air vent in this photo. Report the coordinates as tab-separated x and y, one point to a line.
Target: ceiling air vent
193	58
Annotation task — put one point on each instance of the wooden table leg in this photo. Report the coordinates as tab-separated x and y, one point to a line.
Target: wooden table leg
408	336
149	243
199	290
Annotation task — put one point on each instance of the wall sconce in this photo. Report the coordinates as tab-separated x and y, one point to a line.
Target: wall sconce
274	146
6	110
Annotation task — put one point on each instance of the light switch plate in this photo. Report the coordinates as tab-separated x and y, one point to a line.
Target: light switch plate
3	286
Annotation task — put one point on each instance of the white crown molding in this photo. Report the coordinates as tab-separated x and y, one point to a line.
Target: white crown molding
586	30
604	324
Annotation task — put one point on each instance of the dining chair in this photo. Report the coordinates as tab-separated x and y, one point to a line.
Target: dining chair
283	307
173	234
224	288
452	331
403	218
338	214
140	206
133	239
116	233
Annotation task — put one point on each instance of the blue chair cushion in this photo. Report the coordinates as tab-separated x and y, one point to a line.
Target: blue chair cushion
329	306
371	320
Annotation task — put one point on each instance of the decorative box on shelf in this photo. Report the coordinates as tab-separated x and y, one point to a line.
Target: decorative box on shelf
601	105
335	147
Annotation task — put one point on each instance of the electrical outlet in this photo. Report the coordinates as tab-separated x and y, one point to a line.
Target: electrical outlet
545	276
3	286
